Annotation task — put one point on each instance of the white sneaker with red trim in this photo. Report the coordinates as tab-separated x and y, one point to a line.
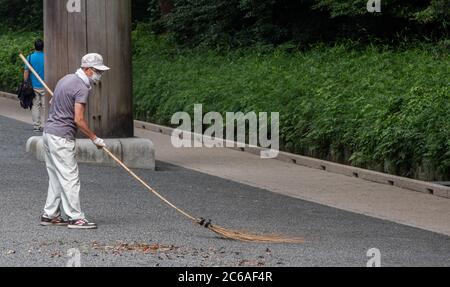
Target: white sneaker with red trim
81	224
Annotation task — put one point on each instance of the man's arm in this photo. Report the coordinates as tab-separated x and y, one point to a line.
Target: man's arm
81	122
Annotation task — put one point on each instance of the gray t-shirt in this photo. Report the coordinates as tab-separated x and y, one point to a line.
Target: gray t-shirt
61	120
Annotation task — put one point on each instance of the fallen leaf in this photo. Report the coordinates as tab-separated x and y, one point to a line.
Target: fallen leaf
251	263
154	246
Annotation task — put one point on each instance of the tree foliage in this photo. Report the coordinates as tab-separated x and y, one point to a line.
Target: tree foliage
21	15
246	22
243	22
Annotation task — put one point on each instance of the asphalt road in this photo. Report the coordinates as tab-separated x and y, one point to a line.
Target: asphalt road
136	229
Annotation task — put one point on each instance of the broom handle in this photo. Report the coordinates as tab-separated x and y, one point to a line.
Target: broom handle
35	74
146	185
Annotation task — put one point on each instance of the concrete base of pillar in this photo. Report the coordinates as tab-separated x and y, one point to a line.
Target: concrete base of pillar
134	152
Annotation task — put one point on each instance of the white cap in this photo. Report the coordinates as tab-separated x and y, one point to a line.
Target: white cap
95	61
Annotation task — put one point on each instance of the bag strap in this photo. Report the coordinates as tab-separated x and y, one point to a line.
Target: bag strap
30	73
29	60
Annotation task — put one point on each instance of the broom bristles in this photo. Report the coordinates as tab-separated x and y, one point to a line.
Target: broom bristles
251	237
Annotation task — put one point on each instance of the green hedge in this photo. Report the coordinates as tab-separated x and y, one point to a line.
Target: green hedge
376	108
380	109
11	67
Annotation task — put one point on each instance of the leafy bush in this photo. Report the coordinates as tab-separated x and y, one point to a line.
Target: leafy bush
376	108
11	67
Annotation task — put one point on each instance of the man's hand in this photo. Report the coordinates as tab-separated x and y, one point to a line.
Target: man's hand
83	126
99	142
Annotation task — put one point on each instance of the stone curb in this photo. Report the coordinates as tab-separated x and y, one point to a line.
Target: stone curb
9	96
134	152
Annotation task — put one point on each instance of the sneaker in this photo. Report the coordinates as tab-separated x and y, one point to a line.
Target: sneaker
81	224
57	221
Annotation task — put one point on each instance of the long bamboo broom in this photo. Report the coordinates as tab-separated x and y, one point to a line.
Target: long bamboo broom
224	232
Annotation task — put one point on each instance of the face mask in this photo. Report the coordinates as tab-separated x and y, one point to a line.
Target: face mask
95	78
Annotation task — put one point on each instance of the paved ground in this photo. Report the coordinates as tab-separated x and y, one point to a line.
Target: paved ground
128	215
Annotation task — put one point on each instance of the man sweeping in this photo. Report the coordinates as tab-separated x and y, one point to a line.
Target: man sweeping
66	116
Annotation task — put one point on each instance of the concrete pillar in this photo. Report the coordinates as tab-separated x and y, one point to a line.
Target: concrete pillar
73	28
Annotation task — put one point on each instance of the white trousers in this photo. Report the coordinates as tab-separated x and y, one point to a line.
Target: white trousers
38	108
64	181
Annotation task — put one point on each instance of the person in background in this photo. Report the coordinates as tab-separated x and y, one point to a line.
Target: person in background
36	60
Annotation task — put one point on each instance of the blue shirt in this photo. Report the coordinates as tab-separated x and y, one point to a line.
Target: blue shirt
37	62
